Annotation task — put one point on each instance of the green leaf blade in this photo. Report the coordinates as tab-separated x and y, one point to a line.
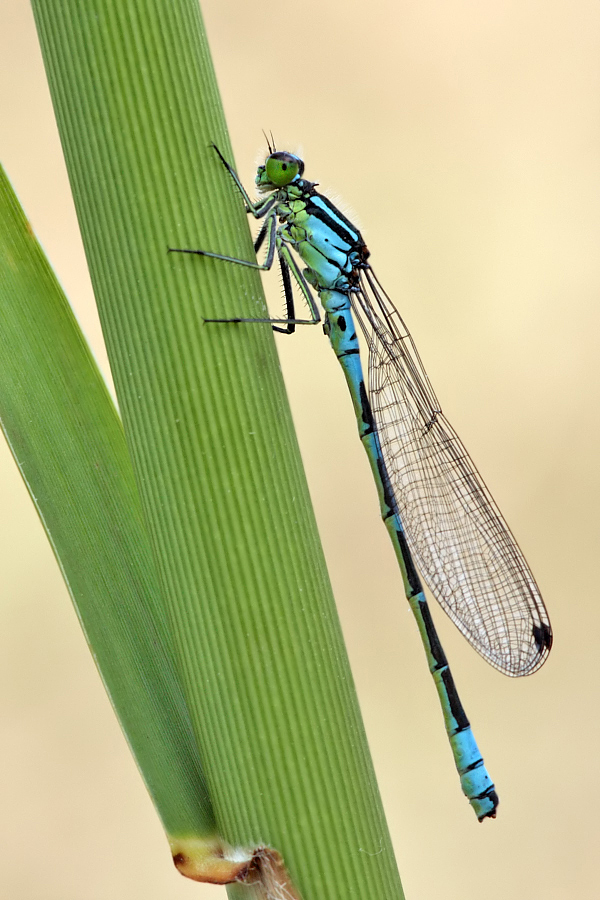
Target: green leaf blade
256	633
67	440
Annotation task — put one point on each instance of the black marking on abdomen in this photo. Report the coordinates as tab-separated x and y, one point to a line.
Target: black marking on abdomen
415	584
493	798
341	323
437	651
470	768
441	666
366	411
456	707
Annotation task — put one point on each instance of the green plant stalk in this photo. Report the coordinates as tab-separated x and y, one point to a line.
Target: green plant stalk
67	439
254	625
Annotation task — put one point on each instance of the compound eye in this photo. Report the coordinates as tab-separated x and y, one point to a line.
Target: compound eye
282	168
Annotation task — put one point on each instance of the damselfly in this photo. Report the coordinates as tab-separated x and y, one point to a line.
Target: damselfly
434	503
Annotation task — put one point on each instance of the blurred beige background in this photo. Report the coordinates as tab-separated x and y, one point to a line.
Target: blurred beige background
466	137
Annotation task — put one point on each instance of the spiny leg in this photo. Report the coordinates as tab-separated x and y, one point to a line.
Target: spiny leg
287	263
260	237
269	230
288	291
258	208
289	298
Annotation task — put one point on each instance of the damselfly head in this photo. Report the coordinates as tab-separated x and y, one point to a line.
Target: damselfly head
280	168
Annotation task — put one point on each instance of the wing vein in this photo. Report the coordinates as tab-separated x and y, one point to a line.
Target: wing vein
458	536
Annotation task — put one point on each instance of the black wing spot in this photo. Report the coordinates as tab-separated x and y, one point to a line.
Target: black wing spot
542	635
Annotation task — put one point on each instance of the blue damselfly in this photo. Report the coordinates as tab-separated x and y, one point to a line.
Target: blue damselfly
434	503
